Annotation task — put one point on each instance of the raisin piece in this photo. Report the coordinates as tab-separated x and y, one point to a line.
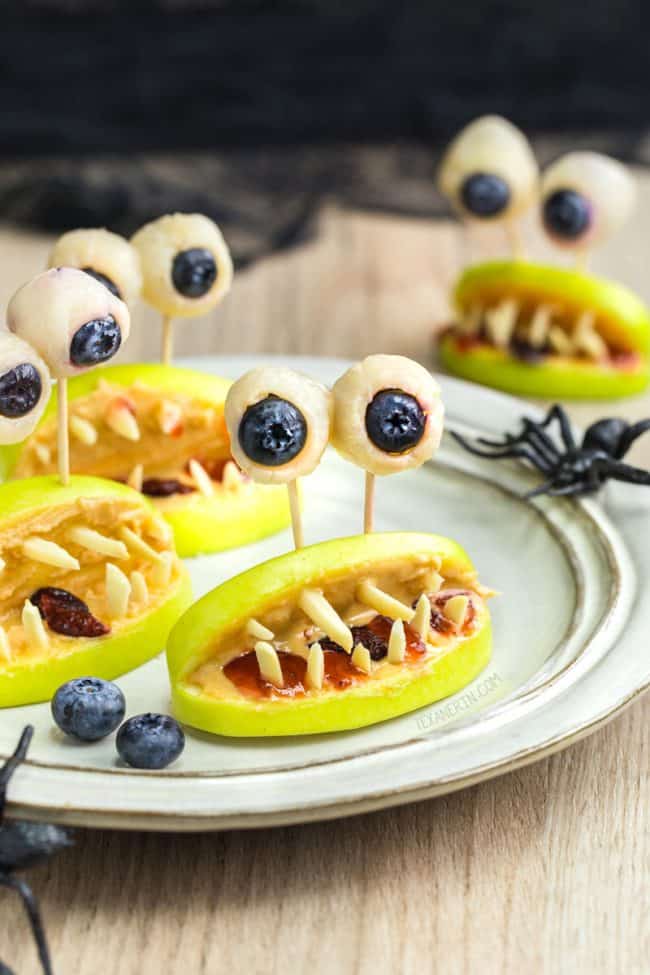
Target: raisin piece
157	487
374	637
65	613
522	350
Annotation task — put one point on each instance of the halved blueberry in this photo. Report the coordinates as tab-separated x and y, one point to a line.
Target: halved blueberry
272	432
95	342
485	194
98	276
194	271
395	421
20	390
567	214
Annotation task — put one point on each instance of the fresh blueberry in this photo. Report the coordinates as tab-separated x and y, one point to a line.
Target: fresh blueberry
95	342
98	276
272	432
150	741
194	272
566	214
484	194
395	421
88	708
20	390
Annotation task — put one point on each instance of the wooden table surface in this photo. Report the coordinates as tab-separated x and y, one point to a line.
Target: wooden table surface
544	870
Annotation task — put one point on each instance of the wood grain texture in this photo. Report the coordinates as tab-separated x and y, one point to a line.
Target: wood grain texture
544	870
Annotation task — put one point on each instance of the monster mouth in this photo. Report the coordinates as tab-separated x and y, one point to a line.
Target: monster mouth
81	571
536	315
164	443
369	628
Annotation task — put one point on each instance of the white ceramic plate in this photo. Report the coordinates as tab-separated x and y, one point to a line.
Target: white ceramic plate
570	650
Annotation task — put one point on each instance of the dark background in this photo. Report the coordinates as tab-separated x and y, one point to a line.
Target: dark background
259	109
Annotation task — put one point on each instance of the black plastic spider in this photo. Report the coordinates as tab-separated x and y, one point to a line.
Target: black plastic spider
575	469
24	845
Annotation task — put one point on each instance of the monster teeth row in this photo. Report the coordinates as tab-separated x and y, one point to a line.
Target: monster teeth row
501	321
315	605
201	478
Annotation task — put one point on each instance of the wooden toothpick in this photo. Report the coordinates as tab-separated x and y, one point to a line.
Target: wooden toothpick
167	352
296	514
63	437
369	503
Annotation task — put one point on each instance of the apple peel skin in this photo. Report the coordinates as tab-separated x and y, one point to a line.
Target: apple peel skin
226	609
620	319
31	678
200	523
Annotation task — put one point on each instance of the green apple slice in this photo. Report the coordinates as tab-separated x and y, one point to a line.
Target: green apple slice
219	686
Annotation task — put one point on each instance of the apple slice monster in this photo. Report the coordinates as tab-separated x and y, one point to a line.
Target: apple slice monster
89	584
547	331
161	429
331	637
347	632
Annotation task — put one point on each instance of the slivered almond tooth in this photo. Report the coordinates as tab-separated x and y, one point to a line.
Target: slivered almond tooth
83	430
421	621
361	658
139	589
120	417
201	478
269	663
258	631
540	325
161	572
94	541
396	643
434	583
315	667
49	553
500	322
135	477
231	477
455	609
118	591
137	544
159	529
169	416
470	323
313	603
559	340
3	565
387	605
43	454
5	647
586	339
34	627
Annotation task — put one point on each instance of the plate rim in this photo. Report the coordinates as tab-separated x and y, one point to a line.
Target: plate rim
126	818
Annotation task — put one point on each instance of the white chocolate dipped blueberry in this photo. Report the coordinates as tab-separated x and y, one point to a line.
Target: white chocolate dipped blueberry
24	388
106	256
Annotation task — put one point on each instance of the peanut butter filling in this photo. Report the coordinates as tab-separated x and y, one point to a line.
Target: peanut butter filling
166	444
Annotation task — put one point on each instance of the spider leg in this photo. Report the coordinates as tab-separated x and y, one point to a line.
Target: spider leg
519	451
34	915
548	487
630	435
621	472
13	762
558	413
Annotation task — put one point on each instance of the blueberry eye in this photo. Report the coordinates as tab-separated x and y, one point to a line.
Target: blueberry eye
98	276
395	421
567	214
272	432
485	195
20	390
194	272
95	342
